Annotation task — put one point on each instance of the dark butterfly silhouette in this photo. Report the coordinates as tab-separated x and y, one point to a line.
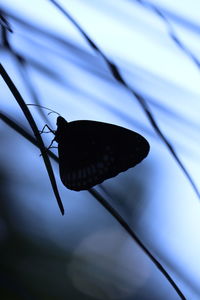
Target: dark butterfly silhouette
91	152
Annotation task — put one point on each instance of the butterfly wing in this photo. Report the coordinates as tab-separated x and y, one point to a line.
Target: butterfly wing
91	152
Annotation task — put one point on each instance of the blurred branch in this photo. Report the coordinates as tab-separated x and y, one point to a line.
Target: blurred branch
4	23
176	17
22	64
171	31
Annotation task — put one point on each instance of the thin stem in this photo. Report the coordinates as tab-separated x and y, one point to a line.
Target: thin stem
33	125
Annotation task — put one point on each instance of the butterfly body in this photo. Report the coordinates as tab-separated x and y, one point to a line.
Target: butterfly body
91	152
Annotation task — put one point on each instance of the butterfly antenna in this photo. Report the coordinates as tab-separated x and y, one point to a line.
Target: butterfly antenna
51	111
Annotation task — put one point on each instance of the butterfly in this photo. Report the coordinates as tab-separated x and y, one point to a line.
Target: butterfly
91	152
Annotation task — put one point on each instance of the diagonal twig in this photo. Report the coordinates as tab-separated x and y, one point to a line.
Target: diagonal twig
33	125
171	31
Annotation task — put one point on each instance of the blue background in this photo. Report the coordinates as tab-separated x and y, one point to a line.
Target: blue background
86	254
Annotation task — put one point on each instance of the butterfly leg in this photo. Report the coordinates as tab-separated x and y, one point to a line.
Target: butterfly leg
50	130
50	146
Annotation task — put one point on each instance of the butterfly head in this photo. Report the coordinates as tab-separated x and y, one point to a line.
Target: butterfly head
61	127
61	122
